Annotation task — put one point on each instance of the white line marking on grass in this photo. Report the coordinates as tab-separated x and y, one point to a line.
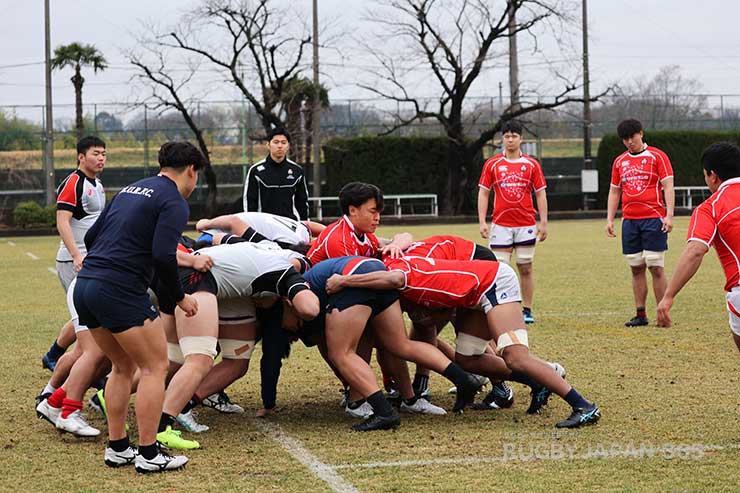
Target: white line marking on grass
32	255
559	451
52	270
11	243
295	448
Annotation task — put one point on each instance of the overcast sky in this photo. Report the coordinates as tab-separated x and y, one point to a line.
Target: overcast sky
627	40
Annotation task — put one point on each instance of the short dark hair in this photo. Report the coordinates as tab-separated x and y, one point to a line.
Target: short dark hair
357	193
628	128
85	143
723	158
278	131
180	155
512	126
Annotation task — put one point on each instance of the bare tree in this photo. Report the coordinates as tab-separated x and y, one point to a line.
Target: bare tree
167	93
246	38
451	41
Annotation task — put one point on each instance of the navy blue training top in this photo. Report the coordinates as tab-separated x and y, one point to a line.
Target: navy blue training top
137	234
321	272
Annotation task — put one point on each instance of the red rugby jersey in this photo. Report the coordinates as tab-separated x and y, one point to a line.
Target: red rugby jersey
443	247
513	182
339	239
716	222
640	176
444	283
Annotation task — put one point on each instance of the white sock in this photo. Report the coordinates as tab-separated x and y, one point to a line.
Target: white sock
48	389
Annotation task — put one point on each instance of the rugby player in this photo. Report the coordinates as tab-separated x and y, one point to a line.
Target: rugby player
514	176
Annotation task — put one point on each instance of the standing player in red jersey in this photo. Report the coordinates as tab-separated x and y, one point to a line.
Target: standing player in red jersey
638	175
514	176
716	222
493	288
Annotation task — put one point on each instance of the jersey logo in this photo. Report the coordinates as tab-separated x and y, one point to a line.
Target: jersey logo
635	180
290	171
261	167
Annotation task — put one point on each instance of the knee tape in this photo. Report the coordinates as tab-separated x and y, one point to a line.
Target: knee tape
524	255
174	353
198	345
635	259
504	257
512	338
236	349
468	345
654	259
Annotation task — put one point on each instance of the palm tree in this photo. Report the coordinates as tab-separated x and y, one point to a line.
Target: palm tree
77	55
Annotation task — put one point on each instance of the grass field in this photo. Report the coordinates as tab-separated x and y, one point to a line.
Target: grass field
668	398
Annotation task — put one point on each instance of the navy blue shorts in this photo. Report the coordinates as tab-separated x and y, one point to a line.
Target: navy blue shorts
643	234
377	300
113	307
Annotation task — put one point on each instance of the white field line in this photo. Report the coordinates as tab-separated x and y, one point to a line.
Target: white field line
557	452
52	270
11	243
295	448
34	257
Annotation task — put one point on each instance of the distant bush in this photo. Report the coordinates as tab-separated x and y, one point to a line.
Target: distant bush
31	213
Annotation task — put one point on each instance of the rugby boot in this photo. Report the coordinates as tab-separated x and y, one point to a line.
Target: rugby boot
580	417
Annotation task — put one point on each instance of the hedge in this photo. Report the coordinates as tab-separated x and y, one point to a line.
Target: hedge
683	148
32	214
398	165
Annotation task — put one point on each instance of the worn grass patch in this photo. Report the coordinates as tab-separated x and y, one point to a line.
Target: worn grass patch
666	394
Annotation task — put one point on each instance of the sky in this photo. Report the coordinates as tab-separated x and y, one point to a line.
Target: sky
627	40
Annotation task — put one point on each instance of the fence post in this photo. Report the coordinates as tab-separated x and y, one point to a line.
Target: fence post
398	207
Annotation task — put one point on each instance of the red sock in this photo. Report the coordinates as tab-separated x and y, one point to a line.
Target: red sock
69	406
641	311
57	398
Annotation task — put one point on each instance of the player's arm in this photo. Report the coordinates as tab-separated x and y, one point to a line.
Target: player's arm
669	192
314	227
251	191
612	202
229	222
395	246
688	264
541	198
373	280
64	226
200	263
484	196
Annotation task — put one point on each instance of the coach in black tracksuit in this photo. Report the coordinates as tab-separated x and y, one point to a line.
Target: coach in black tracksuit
276	185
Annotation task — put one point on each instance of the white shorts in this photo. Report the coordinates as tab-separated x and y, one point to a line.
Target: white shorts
71	306
505	289
506	237
66	273
733	307
234	311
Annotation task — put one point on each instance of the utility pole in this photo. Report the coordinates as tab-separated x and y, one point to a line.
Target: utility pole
49	130
513	58
587	161
316	119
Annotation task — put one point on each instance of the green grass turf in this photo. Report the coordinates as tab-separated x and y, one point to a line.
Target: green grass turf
656	387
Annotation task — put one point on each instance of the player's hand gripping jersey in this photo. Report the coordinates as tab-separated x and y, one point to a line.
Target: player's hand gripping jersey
513	183
339	239
640	177
443	247
716	222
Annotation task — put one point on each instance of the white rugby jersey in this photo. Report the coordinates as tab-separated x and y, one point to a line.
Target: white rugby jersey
85	198
245	269
275	228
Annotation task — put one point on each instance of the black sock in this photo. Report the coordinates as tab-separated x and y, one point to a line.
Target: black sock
576	400
253	236
456	375
56	351
641	312
517	376
119	445
380	404
165	421
148	451
411	401
356	404
526	309
190	405
421	383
